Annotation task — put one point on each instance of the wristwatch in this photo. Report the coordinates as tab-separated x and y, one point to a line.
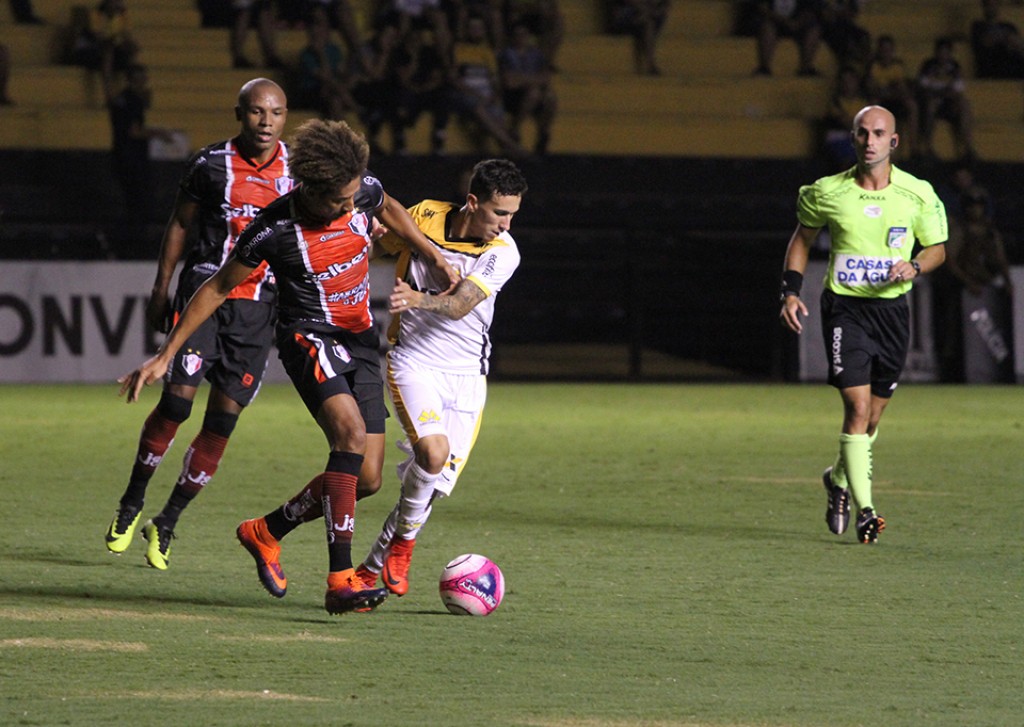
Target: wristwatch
917	267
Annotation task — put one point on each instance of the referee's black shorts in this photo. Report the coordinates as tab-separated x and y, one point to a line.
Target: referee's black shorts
866	340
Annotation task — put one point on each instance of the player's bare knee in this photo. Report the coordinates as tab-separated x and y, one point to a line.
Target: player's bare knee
432	453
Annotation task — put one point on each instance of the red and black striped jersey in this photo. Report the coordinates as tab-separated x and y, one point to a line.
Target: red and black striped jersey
230	190
322	271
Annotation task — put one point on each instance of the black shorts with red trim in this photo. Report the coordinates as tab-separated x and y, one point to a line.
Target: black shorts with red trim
230	350
322	363
866	340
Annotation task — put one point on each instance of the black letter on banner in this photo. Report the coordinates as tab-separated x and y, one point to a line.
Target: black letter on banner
54	321
151	338
21	309
112	339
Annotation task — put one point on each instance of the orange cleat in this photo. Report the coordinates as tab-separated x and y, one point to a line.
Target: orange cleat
367	576
396	566
265	550
346	592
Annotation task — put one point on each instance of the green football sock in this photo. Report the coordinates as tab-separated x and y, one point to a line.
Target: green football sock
839	471
855	453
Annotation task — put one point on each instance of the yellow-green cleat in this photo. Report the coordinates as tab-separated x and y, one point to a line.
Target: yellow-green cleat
158	553
122	528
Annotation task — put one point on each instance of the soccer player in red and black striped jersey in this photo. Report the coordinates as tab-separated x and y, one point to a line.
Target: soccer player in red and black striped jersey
225	185
317	240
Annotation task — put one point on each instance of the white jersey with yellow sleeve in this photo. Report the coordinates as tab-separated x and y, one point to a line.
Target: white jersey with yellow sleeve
431	339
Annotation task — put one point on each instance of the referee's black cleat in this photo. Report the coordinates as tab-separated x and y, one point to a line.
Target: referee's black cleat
837	515
869	525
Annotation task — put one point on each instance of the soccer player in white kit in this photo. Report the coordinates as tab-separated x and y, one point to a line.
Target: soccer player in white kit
438	364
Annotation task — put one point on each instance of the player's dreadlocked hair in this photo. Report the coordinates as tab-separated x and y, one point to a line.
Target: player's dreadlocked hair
496	176
326	155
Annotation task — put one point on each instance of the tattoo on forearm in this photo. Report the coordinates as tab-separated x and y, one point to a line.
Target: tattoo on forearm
465	297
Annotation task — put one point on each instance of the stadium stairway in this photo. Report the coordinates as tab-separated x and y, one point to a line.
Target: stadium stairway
706	103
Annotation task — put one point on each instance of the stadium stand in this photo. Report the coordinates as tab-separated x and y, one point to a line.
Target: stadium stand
706	103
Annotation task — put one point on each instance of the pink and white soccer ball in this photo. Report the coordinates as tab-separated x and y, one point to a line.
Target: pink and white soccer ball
471	585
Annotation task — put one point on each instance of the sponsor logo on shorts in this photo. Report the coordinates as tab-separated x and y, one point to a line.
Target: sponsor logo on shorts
342	353
837	350
428	415
247	379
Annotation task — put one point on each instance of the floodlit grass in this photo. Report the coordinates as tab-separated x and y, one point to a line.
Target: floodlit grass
664	547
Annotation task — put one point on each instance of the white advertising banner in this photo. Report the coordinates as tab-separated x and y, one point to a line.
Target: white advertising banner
73	321
85	321
1017	276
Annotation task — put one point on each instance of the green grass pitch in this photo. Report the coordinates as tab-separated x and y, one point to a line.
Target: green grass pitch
664	547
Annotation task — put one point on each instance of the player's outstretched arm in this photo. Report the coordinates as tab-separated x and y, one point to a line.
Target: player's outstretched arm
202	305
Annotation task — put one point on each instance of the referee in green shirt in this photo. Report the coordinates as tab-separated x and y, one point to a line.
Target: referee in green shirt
877	215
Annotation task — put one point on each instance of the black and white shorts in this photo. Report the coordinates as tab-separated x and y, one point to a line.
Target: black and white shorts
229	349
866	341
322	364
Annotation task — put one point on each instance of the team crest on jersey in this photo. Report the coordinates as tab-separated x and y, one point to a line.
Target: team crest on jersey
283	185
359	224
872	211
191	363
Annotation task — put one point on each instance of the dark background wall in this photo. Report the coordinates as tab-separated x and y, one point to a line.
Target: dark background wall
670	256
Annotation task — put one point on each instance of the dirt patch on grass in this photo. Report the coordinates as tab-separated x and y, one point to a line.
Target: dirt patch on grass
74	644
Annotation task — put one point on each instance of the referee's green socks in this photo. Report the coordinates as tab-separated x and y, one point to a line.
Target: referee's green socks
855	453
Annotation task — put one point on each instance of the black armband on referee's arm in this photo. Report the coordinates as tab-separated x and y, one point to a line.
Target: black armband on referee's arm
792	281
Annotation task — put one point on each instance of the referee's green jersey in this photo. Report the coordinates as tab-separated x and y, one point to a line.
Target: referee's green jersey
871	230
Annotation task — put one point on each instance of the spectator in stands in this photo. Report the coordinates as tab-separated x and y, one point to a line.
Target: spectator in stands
261	13
846	100
958	186
796	19
850	42
338	14
421	85
5	74
888	83
976	259
977	253
997	45
643	20
526	86
544	20
460	11
418	14
323	81
115	47
23	14
476	86
941	95
372	83
130	146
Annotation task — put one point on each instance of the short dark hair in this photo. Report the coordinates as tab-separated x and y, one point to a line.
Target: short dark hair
327	154
496	176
